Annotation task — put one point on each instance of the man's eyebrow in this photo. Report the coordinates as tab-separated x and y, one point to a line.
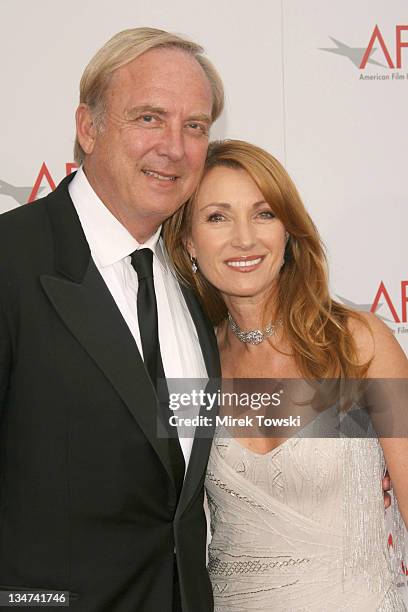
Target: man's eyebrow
201	117
143	108
149	108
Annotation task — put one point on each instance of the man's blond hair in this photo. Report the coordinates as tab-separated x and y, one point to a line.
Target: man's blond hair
122	49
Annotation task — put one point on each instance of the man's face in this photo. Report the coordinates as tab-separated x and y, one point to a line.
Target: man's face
146	158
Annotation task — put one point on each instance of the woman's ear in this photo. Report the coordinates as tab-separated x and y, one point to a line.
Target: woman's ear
192	254
190	248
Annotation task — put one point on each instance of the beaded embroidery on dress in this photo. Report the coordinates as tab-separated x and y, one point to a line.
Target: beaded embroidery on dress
300	529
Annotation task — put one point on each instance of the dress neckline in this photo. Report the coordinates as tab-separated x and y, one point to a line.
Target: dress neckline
247	450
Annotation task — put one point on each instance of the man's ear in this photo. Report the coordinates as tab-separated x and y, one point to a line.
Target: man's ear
85	127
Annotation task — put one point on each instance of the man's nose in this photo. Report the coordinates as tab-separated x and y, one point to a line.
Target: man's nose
243	234
171	143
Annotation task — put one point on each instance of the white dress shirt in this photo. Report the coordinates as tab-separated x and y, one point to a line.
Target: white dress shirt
111	246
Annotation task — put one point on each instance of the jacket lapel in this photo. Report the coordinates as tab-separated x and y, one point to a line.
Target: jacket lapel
83	301
205	331
203	435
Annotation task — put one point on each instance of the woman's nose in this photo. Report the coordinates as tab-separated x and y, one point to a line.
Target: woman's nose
244	236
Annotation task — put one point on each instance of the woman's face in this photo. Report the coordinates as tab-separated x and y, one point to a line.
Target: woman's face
238	242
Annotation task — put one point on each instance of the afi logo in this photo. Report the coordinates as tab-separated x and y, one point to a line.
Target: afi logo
45	173
382	292
376	36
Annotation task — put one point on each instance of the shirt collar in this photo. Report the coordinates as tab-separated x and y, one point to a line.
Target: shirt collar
109	241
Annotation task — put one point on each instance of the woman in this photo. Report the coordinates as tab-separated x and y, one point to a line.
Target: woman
297	523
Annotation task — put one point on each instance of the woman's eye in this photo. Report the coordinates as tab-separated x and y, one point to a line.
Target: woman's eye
216	218
266	214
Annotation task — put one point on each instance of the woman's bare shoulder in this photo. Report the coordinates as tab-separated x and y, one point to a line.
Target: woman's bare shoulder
375	341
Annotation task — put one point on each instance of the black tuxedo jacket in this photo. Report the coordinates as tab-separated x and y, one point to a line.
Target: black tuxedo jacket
87	498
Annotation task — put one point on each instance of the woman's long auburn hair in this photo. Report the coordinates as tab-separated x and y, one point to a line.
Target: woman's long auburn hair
314	324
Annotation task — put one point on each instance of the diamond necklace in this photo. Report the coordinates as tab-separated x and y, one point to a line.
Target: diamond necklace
254	336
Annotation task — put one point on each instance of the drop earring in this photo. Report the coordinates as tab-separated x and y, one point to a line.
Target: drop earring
194	266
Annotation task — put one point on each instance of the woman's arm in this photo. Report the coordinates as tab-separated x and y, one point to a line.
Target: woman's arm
396	457
389	363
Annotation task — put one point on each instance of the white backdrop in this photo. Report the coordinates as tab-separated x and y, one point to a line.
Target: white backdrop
294	85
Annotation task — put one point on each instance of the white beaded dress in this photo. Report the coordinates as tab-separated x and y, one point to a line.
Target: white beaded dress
300	529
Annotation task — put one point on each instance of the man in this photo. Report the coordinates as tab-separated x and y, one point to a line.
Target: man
92	501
